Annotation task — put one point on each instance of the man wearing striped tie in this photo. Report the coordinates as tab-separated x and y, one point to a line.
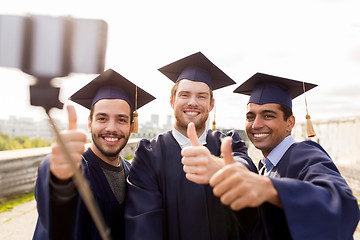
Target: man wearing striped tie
300	194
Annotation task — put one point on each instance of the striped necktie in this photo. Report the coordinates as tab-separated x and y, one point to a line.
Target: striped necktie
266	168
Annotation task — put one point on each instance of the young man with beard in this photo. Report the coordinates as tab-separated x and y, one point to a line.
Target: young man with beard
111	99
168	196
300	194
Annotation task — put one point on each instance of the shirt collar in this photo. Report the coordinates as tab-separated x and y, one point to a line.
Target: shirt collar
276	154
184	141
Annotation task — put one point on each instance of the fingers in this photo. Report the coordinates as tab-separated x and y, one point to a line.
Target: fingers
199	179
194	169
223	177
74	146
196	166
228	158
191	132
59	165
226	150
238	187
74	140
71	117
195	155
218	177
199	164
238	204
228	186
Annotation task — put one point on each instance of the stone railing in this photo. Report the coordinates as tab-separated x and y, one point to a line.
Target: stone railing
341	139
18	168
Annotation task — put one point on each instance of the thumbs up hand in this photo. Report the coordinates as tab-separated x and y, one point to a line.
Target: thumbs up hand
75	141
226	151
238	187
199	164
192	135
225	172
227	182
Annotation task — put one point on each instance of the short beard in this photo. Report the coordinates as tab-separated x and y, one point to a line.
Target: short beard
183	126
105	153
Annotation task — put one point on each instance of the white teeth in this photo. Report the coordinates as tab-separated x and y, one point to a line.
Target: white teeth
261	135
192	113
111	139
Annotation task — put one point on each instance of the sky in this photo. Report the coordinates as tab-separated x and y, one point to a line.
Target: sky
315	41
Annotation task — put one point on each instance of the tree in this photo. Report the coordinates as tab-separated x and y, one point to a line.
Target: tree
21	142
4	141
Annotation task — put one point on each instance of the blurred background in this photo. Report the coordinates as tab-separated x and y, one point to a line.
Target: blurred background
315	41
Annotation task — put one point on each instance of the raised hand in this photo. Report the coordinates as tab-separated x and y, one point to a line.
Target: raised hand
75	141
238	187
199	164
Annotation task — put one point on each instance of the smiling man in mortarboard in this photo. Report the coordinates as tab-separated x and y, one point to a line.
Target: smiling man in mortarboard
161	202
300	192
112	100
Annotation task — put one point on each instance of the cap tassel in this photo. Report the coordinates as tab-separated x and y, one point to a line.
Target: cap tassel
213	126
136	121
214	123
309	126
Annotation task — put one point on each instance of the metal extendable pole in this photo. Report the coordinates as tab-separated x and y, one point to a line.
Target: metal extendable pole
83	188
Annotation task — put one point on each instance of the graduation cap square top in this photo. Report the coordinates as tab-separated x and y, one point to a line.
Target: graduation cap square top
264	88
111	85
197	67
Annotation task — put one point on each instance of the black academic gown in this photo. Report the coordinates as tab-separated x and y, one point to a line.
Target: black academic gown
162	204
317	202
84	227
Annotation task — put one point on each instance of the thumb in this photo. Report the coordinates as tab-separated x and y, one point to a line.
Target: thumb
226	150
71	117
191	133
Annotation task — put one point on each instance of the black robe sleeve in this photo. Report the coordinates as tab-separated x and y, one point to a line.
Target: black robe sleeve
317	202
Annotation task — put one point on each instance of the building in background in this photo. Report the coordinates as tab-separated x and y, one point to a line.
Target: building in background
15	126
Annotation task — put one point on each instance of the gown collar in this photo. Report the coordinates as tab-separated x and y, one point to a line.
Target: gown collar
184	141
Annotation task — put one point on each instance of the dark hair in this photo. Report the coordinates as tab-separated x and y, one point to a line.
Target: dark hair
92	114
286	110
175	87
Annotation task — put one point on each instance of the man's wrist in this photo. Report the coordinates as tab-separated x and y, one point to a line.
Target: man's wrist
61	191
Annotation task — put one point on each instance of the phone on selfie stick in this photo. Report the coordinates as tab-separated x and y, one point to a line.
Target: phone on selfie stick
48	47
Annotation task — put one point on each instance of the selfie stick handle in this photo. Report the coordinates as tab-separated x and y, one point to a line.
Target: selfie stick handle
83	188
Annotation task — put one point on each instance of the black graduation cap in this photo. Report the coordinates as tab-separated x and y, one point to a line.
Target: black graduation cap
264	88
197	67
111	85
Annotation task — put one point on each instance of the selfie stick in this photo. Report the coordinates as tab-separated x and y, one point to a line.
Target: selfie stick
47	47
83	187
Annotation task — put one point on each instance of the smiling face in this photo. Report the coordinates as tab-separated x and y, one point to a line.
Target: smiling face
191	103
110	128
266	127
